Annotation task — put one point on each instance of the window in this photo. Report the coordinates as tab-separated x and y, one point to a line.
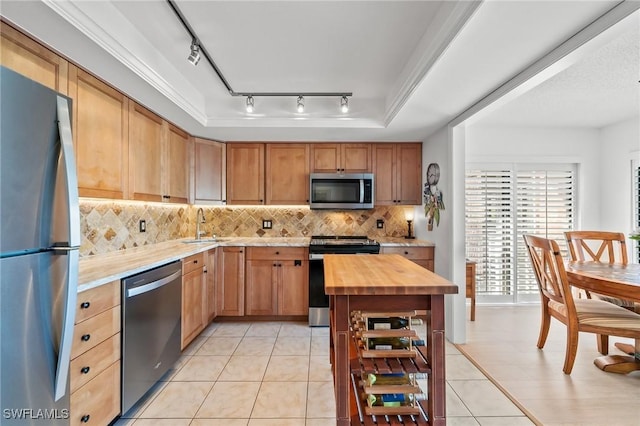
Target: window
502	204
636	205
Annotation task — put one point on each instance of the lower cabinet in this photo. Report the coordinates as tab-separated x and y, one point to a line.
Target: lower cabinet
423	256
230	281
277	281
194	302
95	357
211	285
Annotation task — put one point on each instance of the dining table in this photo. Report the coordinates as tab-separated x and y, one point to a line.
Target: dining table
617	280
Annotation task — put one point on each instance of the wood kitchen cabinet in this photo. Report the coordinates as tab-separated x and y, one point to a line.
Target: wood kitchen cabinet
287	173
94	370
340	157
101	139
210	172
158	158
397	171
211	285
29	58
245	173
230	281
423	256
194	301
277	281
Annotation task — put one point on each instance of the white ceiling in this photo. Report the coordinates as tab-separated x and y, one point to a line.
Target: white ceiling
412	65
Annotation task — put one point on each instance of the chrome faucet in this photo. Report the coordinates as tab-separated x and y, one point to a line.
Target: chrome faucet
199	219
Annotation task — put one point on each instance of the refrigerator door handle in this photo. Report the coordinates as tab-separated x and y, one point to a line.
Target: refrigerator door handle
68	320
69	165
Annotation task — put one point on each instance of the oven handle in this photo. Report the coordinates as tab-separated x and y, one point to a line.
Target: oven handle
316	256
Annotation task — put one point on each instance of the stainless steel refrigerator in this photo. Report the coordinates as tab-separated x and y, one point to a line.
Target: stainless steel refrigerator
39	241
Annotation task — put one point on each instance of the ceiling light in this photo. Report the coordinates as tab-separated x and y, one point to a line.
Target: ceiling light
344	104
249	104
194	56
300	104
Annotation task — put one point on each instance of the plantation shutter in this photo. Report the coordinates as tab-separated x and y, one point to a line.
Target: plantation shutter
636	204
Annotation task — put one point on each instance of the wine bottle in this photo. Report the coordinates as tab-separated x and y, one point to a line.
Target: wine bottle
387	343
387	323
388	400
388	379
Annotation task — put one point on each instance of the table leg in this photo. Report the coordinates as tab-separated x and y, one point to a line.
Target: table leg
435	352
341	365
621	364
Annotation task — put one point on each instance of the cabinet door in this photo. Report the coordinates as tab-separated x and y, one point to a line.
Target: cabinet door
230	274
176	186
355	157
261	289
193	302
384	170
101	136
211	286
210	179
287	174
409	173
145	154
293	291
245	173
325	158
29	58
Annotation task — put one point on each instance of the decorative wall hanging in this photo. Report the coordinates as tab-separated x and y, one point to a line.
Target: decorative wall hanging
433	201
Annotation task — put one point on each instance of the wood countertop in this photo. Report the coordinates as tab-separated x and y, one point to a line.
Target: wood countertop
384	274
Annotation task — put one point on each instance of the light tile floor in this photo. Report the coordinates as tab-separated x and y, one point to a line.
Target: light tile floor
502	341
277	373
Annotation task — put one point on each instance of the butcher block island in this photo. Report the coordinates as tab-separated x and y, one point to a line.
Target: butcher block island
385	285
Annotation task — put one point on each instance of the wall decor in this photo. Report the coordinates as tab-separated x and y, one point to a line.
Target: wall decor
433	201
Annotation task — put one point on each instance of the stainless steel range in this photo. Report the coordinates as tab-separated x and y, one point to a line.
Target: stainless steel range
318	247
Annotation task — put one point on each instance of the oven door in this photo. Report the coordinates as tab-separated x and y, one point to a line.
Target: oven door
318	300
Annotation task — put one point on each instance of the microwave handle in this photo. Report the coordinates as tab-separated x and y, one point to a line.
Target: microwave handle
361	190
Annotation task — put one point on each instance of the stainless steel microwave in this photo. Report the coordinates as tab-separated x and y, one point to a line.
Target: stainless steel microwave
341	191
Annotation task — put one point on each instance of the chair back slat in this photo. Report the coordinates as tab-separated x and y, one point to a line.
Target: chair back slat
550	273
595	244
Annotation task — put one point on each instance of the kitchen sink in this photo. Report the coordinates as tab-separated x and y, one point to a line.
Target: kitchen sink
205	240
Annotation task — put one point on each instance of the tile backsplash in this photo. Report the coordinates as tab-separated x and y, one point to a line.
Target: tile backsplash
108	226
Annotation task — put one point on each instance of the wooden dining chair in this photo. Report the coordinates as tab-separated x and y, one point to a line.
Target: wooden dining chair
578	315
605	247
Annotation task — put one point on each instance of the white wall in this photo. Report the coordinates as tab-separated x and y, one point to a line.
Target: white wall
619	144
546	145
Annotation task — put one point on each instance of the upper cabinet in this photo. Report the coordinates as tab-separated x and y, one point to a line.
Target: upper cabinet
245	173
210	172
158	158
287	173
397	171
29	58
100	129
340	157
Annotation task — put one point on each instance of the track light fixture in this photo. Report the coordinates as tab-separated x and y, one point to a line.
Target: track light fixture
344	104
194	56
249	104
300	103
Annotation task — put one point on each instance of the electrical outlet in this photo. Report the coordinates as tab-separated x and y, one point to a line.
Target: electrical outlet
143	225
379	223
266	224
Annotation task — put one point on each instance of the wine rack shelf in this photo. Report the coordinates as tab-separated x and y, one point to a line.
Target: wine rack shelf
397	368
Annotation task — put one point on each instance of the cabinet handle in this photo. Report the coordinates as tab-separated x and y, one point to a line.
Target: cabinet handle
406	252
85	305
277	252
86	337
166	197
85	370
275	265
195	262
85	418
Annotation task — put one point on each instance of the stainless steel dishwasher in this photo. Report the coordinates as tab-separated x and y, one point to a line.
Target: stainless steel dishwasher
151	315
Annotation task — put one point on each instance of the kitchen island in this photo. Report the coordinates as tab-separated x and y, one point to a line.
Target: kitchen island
387	282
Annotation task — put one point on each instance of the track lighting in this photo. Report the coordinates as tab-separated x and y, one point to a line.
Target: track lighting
300	104
249	104
194	56
344	104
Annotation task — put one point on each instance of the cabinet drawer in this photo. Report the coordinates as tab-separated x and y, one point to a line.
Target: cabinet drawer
95	330
410	252
276	253
94	361
97	402
97	300
192	263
